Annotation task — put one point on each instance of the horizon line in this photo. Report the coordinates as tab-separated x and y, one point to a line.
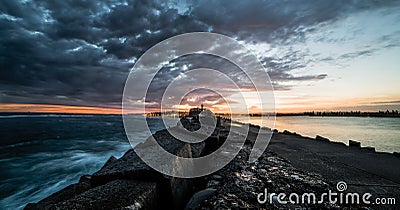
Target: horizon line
76	109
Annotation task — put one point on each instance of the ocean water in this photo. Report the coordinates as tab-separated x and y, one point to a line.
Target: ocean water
41	154
381	133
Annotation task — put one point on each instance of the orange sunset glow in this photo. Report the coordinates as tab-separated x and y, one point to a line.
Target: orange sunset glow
50	108
283	105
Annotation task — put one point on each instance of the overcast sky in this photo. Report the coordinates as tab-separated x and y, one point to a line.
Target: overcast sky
320	55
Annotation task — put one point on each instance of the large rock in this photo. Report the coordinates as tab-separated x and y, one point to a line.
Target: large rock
62	195
252	134
369	148
110	160
353	143
129	166
172	144
321	138
118	194
198	198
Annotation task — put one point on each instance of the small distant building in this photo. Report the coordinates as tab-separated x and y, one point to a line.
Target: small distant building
194	112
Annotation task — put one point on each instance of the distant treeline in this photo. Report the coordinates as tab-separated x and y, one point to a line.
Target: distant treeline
387	113
167	113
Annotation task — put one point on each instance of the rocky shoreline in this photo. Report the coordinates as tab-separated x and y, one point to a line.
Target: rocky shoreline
128	183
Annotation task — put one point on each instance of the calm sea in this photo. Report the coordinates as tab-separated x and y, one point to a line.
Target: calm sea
381	133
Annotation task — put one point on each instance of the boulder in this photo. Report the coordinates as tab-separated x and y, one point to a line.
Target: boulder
286	132
321	138
372	149
173	145
353	143
129	166
109	161
252	134
198	198
62	195
85	179
338	143
118	194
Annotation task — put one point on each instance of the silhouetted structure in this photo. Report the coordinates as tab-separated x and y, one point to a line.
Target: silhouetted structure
194	112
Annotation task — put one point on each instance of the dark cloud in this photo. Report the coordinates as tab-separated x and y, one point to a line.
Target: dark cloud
80	52
74	52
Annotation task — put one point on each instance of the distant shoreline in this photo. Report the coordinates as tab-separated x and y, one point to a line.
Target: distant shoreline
49	113
387	113
381	114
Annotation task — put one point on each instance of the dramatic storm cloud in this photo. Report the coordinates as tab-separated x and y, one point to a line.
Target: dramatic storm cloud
80	52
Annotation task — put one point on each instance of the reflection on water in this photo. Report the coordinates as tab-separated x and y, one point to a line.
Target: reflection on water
381	133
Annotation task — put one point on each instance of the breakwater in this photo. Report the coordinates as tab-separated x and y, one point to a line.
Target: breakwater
128	183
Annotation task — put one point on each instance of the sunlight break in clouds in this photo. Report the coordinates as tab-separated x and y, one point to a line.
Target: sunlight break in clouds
319	55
